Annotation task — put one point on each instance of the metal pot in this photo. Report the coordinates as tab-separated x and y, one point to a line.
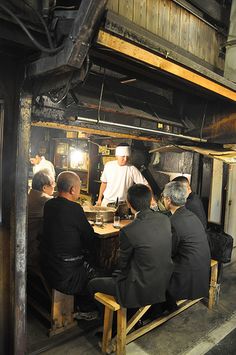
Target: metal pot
107	212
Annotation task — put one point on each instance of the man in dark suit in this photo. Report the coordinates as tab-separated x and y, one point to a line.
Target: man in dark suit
190	249
145	264
193	202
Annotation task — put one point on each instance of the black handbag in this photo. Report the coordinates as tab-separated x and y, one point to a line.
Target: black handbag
221	245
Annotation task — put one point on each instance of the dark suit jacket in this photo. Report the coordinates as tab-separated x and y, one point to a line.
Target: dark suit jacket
145	260
66	234
36	202
195	205
191	256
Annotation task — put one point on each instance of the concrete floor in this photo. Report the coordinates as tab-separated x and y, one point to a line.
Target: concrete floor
196	331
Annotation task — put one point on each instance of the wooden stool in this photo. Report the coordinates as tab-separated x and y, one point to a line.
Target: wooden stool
122	338
60	313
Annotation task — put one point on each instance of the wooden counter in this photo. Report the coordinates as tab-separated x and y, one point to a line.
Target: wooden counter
107	230
109	243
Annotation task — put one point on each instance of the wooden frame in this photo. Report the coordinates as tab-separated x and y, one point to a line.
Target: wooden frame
124	333
126	48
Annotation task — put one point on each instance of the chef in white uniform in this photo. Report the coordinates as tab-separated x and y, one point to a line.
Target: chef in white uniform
40	163
118	175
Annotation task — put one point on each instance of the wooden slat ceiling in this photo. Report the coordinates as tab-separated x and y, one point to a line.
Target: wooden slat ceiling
136	53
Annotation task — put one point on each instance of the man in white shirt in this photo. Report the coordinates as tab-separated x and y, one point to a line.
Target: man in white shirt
118	176
40	163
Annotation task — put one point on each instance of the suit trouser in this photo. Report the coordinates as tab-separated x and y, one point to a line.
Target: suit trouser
102	284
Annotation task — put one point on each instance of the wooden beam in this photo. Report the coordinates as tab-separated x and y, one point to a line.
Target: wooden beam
92	131
125	48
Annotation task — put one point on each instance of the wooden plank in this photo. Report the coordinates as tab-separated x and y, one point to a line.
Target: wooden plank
202	41
140	13
175	33
107	300
113	5
217	43
163	23
152	16
210	47
139	332
213	262
126	8
213	283
108	230
132	51
107	329
93	131
184	29
131	323
193	34
121	332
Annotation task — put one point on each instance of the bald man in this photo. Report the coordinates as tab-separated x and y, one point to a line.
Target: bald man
66	236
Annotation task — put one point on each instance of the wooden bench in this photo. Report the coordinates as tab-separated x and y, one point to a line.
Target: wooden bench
55	307
124	334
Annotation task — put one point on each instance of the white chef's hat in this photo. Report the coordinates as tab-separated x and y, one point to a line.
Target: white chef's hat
123	151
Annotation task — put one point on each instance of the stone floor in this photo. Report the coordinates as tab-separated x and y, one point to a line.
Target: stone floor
196	331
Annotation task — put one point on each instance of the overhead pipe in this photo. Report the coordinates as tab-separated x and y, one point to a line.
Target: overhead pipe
142	129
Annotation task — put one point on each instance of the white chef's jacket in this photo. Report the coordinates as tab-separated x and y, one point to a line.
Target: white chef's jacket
119	179
44	165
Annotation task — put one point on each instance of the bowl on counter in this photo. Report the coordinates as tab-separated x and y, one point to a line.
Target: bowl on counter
92	211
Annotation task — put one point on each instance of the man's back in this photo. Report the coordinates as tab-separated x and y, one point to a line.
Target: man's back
195	205
65	227
66	233
191	256
36	202
145	259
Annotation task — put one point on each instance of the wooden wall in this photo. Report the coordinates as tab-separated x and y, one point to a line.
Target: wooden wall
175	24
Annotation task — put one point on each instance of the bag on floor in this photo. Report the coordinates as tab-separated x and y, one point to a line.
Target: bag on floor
221	245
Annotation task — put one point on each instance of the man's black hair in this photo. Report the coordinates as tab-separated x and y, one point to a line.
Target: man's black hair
41	179
139	196
181	178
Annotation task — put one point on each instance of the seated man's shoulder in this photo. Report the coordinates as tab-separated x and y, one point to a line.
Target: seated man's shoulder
153	217
50	200
193	197
160	215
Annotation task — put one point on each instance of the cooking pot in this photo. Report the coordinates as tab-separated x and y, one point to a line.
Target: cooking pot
107	212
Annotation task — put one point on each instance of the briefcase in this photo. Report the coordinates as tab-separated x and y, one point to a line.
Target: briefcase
221	245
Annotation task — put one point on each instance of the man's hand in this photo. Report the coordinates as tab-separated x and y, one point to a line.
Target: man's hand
99	202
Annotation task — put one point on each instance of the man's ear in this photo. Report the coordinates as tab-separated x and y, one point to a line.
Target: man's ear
72	190
128	204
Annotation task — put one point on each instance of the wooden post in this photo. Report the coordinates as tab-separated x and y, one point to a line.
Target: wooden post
19	232
213	283
107	330
121	331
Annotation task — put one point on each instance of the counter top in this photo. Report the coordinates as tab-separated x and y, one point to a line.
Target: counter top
108	230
